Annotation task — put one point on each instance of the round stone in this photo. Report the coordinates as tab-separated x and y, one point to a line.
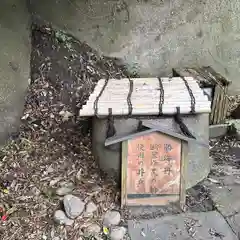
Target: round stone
73	206
118	233
111	218
63	191
61	218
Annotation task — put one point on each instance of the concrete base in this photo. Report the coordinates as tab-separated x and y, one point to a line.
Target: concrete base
14	64
216	131
234	222
110	160
225	193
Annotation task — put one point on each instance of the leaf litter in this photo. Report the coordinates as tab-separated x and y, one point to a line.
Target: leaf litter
53	147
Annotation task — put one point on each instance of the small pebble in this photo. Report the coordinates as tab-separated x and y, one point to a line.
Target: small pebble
118	233
50	169
91	208
44	237
61	218
73	206
63	191
36	191
67	184
111	218
93	229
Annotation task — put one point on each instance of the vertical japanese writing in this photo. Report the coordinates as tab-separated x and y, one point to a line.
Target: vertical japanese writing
154	157
166	157
153	165
153	187
140	147
140	158
154	174
154	148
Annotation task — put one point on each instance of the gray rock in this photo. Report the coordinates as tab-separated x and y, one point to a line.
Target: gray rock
91	208
111	218
93	229
56	238
117	233
63	191
73	206
237	181
14	65
61	218
67	184
236	123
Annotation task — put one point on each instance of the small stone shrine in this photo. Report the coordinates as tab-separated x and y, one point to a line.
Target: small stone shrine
151	134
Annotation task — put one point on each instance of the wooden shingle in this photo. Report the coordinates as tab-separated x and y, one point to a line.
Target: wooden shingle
146	96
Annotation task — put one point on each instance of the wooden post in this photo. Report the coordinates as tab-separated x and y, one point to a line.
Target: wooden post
214	106
184	164
124	172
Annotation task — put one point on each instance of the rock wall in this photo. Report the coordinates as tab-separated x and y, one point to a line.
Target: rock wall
14	64
153	36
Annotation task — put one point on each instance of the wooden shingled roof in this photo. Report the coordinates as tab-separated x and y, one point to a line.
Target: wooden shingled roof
146	96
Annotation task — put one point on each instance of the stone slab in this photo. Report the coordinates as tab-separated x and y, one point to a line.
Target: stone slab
219	130
234	222
226	199
198	226
14	64
225	187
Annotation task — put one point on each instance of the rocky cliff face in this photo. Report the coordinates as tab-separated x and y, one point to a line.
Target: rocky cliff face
154	36
14	64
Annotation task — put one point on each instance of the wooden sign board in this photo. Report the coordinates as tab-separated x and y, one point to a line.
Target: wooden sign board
151	170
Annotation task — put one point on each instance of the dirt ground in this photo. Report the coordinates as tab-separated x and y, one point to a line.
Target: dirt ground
53	146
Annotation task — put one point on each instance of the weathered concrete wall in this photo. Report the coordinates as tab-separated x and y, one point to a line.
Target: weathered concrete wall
153	36
14	63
